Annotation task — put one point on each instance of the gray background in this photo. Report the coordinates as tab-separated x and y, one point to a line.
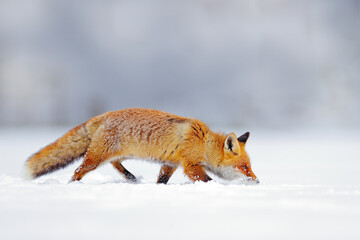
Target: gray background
270	64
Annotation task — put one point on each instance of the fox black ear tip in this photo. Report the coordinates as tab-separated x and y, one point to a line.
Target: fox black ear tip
243	138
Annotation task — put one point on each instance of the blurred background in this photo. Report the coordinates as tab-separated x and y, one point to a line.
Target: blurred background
259	63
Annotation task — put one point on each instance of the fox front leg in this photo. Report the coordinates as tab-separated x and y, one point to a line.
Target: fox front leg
196	172
166	172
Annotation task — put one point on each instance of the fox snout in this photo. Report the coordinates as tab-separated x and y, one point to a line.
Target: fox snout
253	177
255	180
249	174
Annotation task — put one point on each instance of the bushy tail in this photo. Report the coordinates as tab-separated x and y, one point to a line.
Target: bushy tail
60	153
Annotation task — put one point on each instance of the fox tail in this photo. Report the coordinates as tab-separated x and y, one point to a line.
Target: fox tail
60	153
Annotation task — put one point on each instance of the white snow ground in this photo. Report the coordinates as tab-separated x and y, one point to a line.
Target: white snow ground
310	189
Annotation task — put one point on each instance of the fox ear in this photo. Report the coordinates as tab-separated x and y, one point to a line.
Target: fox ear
231	144
243	138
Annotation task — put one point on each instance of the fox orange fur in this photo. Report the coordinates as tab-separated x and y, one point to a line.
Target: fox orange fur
147	134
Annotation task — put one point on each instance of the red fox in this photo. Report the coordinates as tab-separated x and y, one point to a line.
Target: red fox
147	134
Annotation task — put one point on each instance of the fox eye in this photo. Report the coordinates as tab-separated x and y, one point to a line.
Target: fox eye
244	167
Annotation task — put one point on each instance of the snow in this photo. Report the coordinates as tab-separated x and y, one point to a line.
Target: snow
310	189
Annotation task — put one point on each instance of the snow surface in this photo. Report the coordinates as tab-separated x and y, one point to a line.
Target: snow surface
310	189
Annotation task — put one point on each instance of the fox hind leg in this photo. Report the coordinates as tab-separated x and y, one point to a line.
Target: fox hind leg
86	166
166	172
128	175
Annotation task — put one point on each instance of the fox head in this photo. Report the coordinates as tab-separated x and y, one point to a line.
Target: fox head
236	157
234	162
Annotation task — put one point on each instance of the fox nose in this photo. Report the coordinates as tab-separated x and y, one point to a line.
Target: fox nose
256	180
